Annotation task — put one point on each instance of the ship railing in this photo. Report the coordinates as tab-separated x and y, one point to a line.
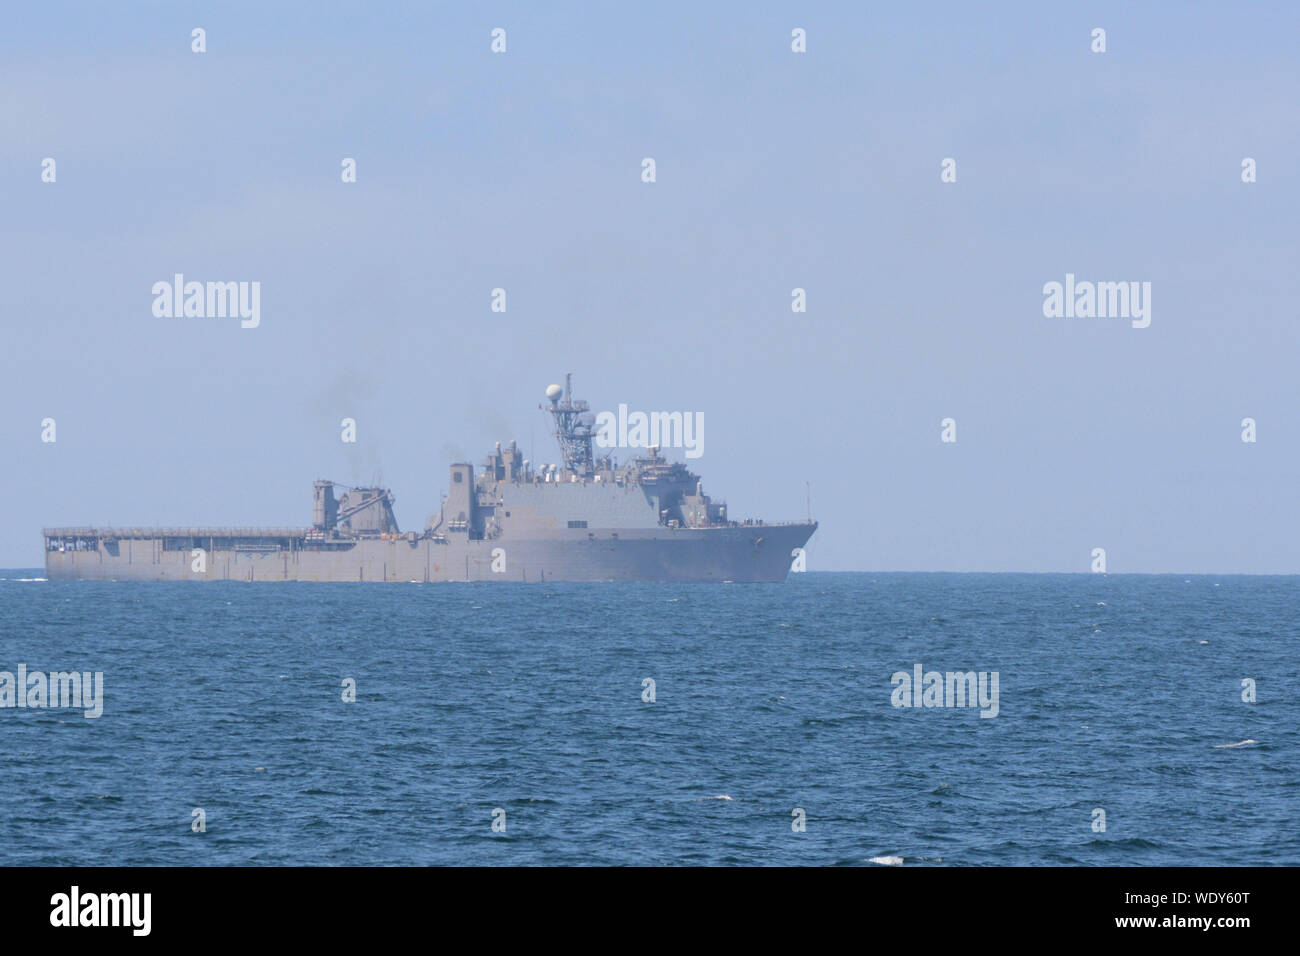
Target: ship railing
762	524
160	532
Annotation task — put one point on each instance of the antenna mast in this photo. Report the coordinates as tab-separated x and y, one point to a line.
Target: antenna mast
573	422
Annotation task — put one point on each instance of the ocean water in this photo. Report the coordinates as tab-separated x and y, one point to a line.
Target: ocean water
1116	693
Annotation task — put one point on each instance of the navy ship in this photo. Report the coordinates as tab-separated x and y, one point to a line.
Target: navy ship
588	518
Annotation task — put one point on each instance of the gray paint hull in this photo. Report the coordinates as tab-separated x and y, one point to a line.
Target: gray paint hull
744	553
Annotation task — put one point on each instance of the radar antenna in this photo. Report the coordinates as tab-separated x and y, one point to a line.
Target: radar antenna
573	427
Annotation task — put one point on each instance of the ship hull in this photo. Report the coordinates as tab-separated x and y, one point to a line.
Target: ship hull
741	553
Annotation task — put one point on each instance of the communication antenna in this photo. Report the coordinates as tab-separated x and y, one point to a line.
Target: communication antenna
573	426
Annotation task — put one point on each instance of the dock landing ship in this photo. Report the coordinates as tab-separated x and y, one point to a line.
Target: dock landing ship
587	519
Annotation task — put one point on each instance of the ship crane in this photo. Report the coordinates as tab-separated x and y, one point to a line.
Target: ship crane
346	513
329	513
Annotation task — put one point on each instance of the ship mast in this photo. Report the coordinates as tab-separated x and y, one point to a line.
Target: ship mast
573	423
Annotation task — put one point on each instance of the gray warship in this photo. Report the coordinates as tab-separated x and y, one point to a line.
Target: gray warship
587	519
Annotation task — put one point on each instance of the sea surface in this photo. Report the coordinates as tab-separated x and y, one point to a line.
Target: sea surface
525	704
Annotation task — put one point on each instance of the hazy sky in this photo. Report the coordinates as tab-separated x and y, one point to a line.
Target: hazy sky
775	170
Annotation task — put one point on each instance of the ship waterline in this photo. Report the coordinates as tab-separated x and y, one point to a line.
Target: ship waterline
741	554
588	519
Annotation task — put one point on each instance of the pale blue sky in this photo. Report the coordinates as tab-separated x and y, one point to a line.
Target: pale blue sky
775	170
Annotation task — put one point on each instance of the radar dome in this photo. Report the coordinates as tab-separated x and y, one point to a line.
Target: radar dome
553	392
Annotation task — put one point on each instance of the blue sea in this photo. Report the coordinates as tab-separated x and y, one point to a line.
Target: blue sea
772	736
